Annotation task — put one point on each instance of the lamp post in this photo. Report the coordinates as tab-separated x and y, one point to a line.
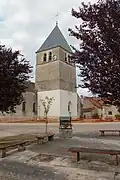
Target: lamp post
81	104
36	103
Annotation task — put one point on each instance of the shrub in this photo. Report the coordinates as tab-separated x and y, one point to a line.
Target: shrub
117	116
95	116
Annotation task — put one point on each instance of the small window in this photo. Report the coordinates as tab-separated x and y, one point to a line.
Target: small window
23	106
45	57
65	57
109	112
68	58
34	108
50	56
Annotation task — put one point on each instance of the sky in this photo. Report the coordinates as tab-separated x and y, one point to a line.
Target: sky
25	24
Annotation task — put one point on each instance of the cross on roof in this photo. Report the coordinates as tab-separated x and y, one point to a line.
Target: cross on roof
57	15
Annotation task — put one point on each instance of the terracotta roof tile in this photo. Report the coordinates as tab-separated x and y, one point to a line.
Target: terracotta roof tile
98	102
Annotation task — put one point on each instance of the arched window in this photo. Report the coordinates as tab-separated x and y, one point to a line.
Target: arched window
50	56
34	108
23	106
65	57
77	107
68	58
69	106
45	57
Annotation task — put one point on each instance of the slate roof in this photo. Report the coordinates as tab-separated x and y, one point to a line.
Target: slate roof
55	39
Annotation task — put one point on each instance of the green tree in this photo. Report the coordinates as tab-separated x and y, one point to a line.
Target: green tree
98	58
14	73
47	103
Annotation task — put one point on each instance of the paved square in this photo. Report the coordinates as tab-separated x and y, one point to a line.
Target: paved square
23	165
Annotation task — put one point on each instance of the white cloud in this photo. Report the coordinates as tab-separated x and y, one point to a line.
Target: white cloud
25	24
21	17
21	36
6	41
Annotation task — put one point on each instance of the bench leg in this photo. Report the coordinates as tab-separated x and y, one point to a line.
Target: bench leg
78	156
50	138
117	160
41	140
38	141
102	133
3	151
21	147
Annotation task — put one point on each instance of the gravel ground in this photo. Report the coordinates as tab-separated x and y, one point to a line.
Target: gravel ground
20	171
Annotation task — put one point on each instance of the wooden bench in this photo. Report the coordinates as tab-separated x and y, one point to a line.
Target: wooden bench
41	138
109	131
7	145
79	150
13	145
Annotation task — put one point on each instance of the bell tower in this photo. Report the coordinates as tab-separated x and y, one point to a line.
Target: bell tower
56	76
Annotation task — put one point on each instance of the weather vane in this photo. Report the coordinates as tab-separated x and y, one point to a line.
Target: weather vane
57	15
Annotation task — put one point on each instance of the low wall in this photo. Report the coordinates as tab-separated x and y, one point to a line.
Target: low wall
95	120
51	120
26	120
16	119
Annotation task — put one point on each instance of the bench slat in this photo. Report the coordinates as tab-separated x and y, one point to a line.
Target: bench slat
44	136
112	130
78	150
88	150
109	130
20	144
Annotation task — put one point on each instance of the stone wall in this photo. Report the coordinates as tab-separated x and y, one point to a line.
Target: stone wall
59	52
39	56
56	75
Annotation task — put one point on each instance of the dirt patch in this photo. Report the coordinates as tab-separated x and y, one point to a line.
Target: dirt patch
43	158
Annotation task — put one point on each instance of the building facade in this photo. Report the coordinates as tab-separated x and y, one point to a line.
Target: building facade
96	108
56	76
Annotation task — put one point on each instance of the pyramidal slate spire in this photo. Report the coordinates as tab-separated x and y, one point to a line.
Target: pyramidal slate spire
55	39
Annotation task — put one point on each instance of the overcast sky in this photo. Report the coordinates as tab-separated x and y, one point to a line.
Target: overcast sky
25	24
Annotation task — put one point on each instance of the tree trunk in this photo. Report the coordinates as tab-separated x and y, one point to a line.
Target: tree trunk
46	123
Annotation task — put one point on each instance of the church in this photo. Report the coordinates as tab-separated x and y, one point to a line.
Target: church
55	76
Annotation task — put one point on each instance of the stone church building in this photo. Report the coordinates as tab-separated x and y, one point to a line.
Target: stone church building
55	77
